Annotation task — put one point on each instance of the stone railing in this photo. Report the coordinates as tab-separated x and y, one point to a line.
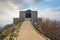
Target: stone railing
38	29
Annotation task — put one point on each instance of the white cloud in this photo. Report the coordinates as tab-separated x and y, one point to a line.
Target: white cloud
52	13
10	9
7	12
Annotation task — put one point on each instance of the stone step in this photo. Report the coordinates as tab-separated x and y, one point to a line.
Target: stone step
27	19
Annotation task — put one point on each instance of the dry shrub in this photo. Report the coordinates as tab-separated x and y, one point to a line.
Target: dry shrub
49	29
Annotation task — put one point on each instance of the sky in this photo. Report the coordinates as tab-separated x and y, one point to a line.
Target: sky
9	9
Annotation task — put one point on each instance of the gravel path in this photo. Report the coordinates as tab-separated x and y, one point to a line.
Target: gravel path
27	32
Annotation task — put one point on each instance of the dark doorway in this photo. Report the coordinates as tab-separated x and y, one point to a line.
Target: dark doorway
28	14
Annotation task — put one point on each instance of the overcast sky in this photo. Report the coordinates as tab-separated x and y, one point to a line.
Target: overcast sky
9	9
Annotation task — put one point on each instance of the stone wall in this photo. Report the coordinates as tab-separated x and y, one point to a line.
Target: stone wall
16	20
22	17
22	14
34	16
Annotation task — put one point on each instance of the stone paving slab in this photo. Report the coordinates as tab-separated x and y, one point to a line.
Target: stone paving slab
27	32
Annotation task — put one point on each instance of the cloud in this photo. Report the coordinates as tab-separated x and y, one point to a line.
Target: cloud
17	1
35	2
53	10
22	4
52	13
26	1
3	0
38	1
52	0
9	9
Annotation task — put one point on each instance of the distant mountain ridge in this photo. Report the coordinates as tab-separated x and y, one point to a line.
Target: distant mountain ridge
5	27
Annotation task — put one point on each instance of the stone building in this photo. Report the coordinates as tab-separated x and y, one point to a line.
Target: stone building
26	15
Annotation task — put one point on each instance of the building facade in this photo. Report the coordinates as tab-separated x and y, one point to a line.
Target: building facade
23	15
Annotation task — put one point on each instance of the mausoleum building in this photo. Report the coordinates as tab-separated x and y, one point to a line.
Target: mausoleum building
26	15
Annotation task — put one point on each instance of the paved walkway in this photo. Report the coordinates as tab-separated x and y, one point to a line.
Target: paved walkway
27	32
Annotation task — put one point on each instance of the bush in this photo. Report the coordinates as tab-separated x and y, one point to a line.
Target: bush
50	29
